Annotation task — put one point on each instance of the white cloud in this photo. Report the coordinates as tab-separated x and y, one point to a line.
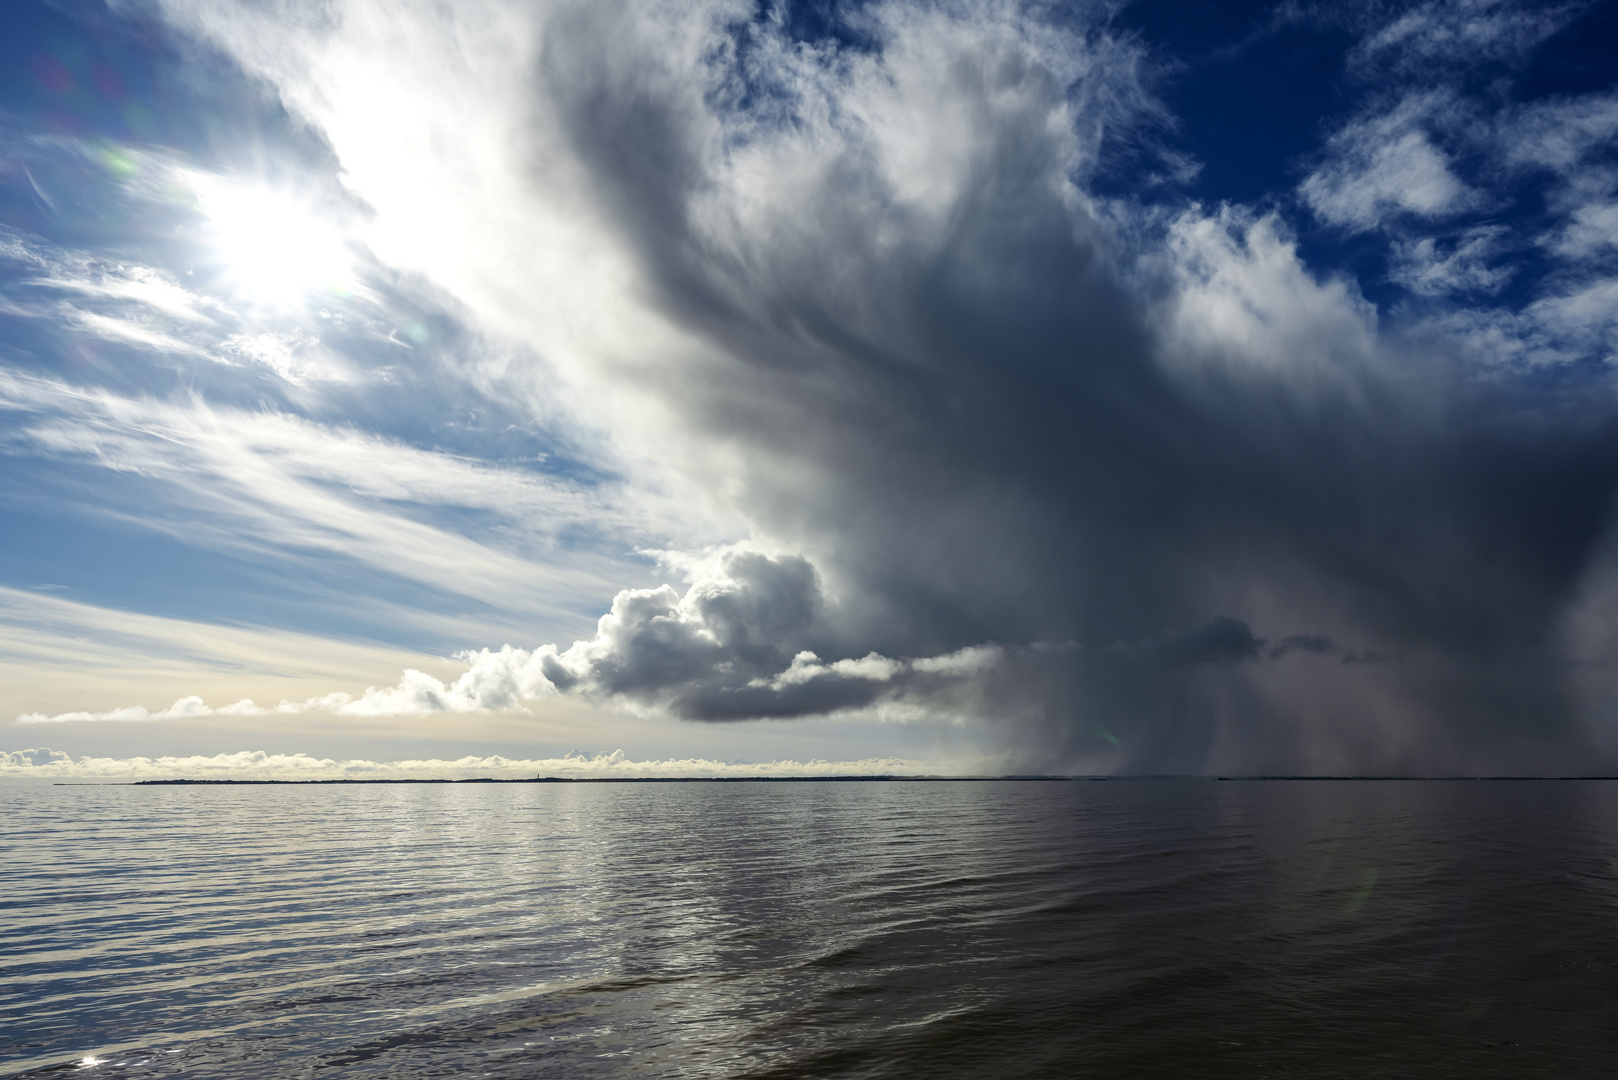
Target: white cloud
128	331
141	284
806	667
39	763
1429	267
1592	229
143	307
288	355
61	657
1560	133
1245	298
1431	37
1381	166
184	709
1568	326
275	484
34	757
1585	318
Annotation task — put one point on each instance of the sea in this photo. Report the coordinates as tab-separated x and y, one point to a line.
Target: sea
1006	928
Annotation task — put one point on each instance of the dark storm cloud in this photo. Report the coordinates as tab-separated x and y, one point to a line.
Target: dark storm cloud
1219	641
1195	505
982	439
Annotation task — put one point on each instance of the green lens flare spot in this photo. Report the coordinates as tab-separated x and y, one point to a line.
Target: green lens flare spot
117	162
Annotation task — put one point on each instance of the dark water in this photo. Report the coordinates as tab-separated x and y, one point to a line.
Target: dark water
1134	928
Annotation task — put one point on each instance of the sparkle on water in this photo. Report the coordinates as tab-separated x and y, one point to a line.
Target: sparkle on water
998	929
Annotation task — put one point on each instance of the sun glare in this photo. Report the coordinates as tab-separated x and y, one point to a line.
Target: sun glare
276	249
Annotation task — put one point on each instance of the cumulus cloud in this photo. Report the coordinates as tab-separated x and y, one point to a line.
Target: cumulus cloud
35	757
737	645
183	709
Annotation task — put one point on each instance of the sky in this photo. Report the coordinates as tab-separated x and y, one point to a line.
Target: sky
635	388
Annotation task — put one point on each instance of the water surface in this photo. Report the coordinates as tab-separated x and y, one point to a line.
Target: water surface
1091	929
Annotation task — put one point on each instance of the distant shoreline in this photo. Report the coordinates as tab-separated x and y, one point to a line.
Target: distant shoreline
774	780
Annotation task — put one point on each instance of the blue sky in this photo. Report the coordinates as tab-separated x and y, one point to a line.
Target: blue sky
1039	387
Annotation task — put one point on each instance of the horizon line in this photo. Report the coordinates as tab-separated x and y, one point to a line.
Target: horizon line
850	778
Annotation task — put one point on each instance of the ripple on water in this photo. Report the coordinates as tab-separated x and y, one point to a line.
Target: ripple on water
813	929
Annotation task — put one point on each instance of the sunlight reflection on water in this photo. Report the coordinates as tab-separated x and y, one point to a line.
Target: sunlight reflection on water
871	929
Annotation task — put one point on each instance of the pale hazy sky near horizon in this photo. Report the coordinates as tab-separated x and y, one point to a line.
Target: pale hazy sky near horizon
961	386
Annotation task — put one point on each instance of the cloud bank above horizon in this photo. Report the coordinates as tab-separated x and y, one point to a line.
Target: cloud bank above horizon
957	371
38	764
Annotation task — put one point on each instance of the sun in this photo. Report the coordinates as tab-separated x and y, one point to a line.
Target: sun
277	251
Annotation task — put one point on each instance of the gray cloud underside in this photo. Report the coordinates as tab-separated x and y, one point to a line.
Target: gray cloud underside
991	410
